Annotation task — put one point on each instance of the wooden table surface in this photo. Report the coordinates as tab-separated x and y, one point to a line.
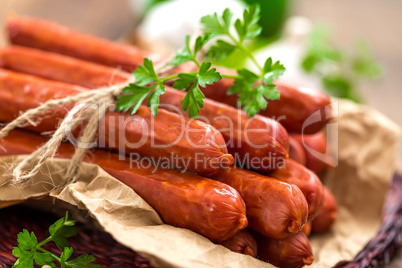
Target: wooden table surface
377	21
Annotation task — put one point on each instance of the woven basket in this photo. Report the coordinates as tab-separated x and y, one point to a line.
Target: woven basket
378	252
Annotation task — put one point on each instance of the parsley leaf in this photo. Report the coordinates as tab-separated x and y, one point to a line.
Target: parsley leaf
194	97
249	28
185	55
221	50
26	241
25	258
215	25
193	100
272	71
83	262
62	229
145	73
207	76
134	100
29	251
153	99
341	71
185	81
44	259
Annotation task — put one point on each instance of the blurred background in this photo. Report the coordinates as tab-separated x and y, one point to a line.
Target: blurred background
349	48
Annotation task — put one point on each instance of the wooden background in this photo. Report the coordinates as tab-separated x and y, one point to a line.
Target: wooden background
378	21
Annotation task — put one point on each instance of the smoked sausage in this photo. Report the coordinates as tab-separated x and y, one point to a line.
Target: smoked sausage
292	252
186	145
274	208
208	207
327	215
306	180
46	35
318	143
257	143
296	151
61	68
242	242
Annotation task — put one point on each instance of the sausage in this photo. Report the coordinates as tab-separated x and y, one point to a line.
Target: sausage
242	242
306	180
208	207
307	228
50	36
318	143
295	105
166	139
61	68
259	142
274	208
327	215
292	252
296	151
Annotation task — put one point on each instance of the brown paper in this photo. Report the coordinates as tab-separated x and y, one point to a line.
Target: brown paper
367	145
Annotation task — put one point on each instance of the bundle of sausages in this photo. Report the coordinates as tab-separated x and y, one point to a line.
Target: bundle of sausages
279	203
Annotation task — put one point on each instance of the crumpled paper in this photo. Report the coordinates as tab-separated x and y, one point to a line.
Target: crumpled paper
367	146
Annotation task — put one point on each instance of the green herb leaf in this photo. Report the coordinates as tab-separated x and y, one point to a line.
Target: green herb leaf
25	258
249	28
145	73
185	55
217	25
44	259
208	76
185	81
65	255
28	248
62	229
220	51
193	100
272	71
27	241
83	262
201	41
134	100
153	99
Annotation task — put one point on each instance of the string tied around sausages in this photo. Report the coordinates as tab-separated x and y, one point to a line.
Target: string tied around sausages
101	97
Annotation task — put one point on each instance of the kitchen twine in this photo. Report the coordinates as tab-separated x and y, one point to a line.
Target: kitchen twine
103	97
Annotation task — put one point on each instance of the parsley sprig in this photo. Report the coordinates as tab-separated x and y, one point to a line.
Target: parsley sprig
253	89
341	70
29	250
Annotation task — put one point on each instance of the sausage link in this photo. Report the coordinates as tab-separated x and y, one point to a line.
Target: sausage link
295	105
306	180
61	68
307	228
259	142
292	252
242	242
187	145
296	151
208	207
274	208
318	143
50	36
327	215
